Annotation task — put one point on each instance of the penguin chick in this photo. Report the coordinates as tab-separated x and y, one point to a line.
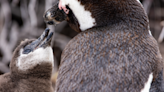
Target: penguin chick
31	67
114	51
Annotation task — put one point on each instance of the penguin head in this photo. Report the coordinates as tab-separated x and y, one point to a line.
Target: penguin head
33	57
54	15
88	14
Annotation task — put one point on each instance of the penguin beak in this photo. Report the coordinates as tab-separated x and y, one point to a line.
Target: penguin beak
54	15
42	42
48	18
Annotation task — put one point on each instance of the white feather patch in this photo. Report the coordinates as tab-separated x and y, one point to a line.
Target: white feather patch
83	16
28	61
148	84
139	1
150	33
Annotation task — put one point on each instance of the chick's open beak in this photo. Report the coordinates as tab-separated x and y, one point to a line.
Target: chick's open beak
42	42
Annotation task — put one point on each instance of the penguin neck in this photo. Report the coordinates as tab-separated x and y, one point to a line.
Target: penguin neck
131	27
43	71
127	14
133	21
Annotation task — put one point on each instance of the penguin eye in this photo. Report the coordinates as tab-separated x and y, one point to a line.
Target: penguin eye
26	51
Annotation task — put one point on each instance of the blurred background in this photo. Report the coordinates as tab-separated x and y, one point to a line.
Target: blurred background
23	19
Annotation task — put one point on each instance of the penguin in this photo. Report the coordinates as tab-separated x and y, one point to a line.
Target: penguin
114	50
31	66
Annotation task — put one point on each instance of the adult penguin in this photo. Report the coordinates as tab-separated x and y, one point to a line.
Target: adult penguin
114	51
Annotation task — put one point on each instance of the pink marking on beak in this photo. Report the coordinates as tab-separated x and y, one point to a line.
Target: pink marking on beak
63	7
